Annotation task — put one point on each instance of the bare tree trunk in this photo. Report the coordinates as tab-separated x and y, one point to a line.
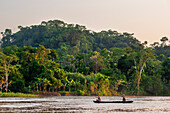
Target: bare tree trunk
29	89
1	88
6	75
40	87
138	86
44	90
139	77
37	87
53	89
2	82
96	66
64	88
69	88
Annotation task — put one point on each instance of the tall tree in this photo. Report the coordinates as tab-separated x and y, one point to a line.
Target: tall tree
6	65
163	40
7	37
140	58
97	62
166	71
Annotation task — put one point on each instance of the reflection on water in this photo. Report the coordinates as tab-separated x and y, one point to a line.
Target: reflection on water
84	104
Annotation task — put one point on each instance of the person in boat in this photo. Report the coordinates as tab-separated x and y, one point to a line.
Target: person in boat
124	99
98	98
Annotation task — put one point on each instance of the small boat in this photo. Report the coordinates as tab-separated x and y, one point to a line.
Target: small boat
112	101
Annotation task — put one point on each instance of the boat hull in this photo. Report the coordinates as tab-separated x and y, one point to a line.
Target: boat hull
112	101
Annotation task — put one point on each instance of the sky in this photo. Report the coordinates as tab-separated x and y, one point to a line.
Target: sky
149	20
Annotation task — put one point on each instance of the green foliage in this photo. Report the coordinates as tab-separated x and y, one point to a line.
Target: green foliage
18	83
40	69
68	37
17	95
166	71
81	92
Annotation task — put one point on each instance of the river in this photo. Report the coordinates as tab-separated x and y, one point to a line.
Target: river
84	104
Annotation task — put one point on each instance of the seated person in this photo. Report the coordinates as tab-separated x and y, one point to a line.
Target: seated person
98	98
124	99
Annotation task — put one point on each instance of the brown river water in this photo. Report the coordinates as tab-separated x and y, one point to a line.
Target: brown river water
84	104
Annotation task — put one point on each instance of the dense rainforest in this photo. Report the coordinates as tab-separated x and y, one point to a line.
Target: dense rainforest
59	57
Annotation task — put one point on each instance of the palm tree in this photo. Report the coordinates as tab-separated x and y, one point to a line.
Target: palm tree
45	83
163	40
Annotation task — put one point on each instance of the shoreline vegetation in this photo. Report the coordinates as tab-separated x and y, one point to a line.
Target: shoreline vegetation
48	94
17	95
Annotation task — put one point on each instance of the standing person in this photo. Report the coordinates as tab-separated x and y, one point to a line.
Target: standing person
98	98
124	99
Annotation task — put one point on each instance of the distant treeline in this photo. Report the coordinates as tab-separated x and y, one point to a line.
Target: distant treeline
60	57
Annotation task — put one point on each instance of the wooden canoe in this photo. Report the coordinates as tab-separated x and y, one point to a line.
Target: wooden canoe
112	101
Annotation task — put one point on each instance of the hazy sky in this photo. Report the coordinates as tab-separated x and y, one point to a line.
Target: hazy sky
148	19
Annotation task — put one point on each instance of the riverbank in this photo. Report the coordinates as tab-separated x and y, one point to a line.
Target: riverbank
42	94
17	95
